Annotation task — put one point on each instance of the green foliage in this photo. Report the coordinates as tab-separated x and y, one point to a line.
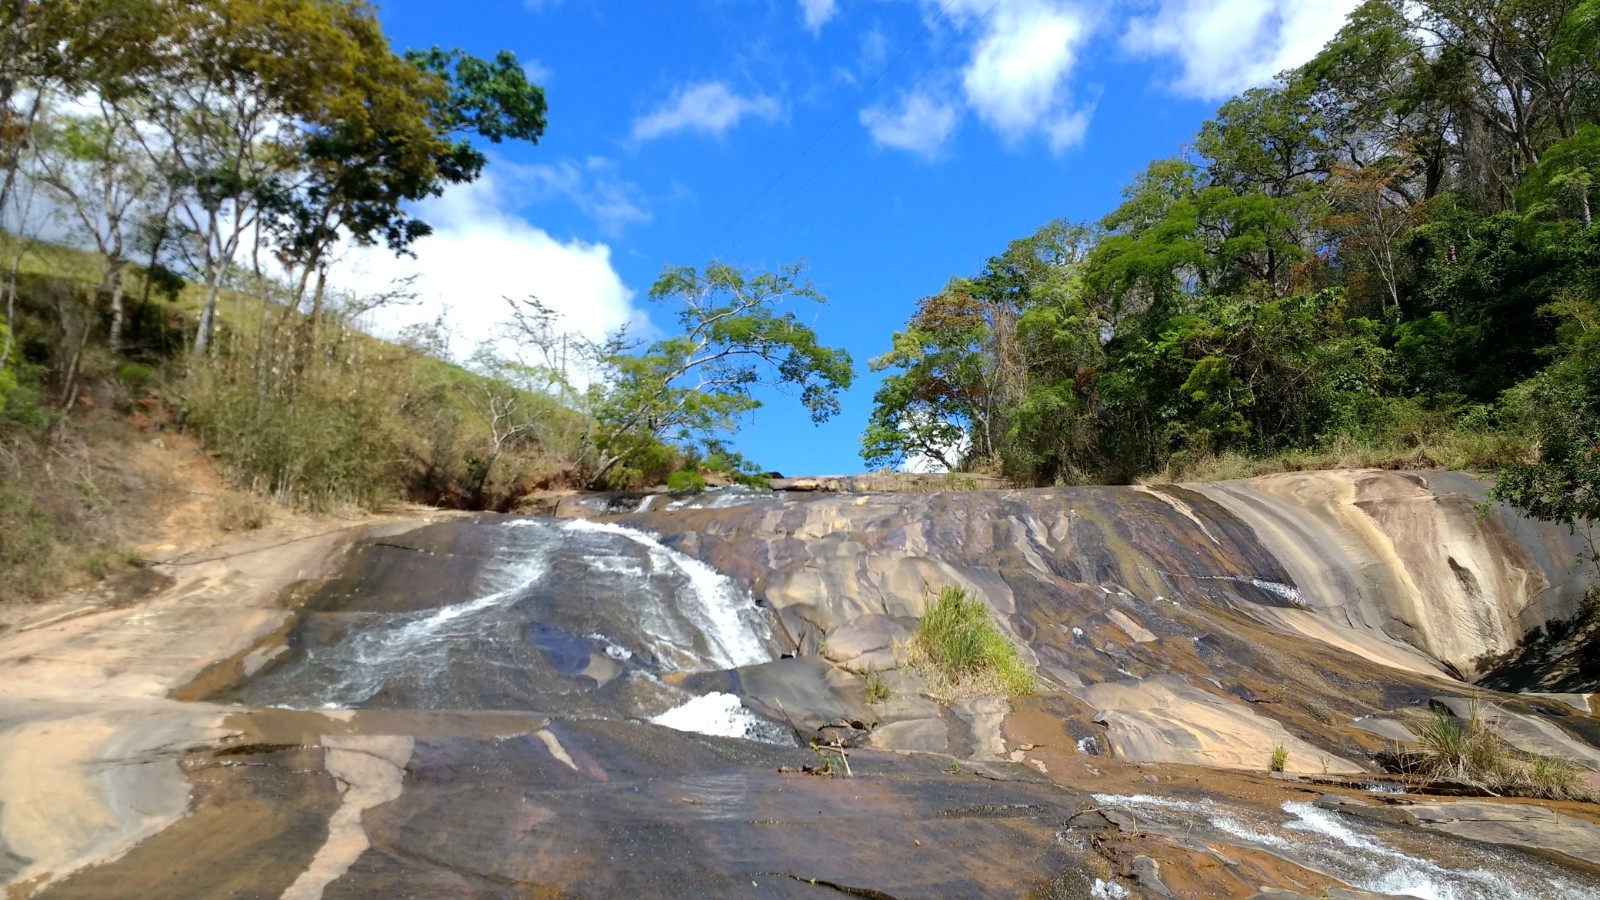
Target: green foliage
686	480
136	377
1562	406
1280	758
1346	269
963	653
696	385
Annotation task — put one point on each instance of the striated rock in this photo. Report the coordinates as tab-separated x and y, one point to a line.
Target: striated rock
1408	555
1166	719
806	693
1514	825
1388	729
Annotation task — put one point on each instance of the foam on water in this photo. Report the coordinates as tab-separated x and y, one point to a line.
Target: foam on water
734	627
722	715
419	640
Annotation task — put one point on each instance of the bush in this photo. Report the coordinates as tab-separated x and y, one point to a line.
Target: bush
327	444
136	377
1280	758
686	480
961	651
1466	752
101	564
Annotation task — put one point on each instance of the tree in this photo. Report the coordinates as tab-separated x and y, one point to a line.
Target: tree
1563	404
938	403
733	339
94	168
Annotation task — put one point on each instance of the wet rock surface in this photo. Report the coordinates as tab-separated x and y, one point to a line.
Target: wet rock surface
666	702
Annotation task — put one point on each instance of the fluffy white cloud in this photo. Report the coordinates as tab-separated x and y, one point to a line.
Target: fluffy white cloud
1226	46
481	251
709	107
816	13
1017	79
920	125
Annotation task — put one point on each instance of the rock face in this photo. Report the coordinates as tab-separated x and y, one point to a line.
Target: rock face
480	706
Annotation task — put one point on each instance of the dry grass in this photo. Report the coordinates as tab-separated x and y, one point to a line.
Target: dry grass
1465	751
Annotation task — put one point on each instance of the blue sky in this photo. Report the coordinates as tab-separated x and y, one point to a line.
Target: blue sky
890	144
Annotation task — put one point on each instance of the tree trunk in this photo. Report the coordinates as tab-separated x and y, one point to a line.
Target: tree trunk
114	341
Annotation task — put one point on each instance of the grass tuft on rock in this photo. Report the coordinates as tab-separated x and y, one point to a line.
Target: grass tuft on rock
1280	758
1465	751
962	653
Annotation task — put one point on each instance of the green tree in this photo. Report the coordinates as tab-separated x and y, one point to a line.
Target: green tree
1562	403
732	339
938	401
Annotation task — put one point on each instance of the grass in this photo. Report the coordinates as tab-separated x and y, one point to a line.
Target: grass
877	689
1455	450
1280	758
1465	751
962	653
101	564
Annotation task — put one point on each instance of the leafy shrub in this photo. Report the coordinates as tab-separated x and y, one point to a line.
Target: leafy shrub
136	377
686	480
1280	758
961	651
327	444
101	564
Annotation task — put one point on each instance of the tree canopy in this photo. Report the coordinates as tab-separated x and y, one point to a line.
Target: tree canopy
1388	255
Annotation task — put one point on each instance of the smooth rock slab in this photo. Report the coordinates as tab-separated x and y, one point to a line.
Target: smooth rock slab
1166	719
1513	824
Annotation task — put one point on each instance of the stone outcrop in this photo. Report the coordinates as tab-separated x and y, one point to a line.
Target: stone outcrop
493	731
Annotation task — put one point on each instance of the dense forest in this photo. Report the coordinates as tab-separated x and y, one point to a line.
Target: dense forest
1389	256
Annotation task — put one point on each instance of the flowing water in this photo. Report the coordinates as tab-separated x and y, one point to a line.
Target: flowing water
1367	856
564	617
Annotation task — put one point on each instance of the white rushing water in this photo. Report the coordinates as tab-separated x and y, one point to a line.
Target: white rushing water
734	627
722	715
656	609
1356	852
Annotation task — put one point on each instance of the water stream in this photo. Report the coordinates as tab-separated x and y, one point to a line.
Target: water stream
568	617
1364	855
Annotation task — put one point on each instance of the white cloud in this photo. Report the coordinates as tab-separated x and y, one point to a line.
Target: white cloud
708	107
816	13
920	126
481	252
537	72
591	184
1017	79
1226	46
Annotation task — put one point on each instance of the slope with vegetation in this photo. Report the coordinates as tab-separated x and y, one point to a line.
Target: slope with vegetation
206	165
1387	257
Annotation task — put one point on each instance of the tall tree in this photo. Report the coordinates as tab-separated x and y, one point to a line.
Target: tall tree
733	338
